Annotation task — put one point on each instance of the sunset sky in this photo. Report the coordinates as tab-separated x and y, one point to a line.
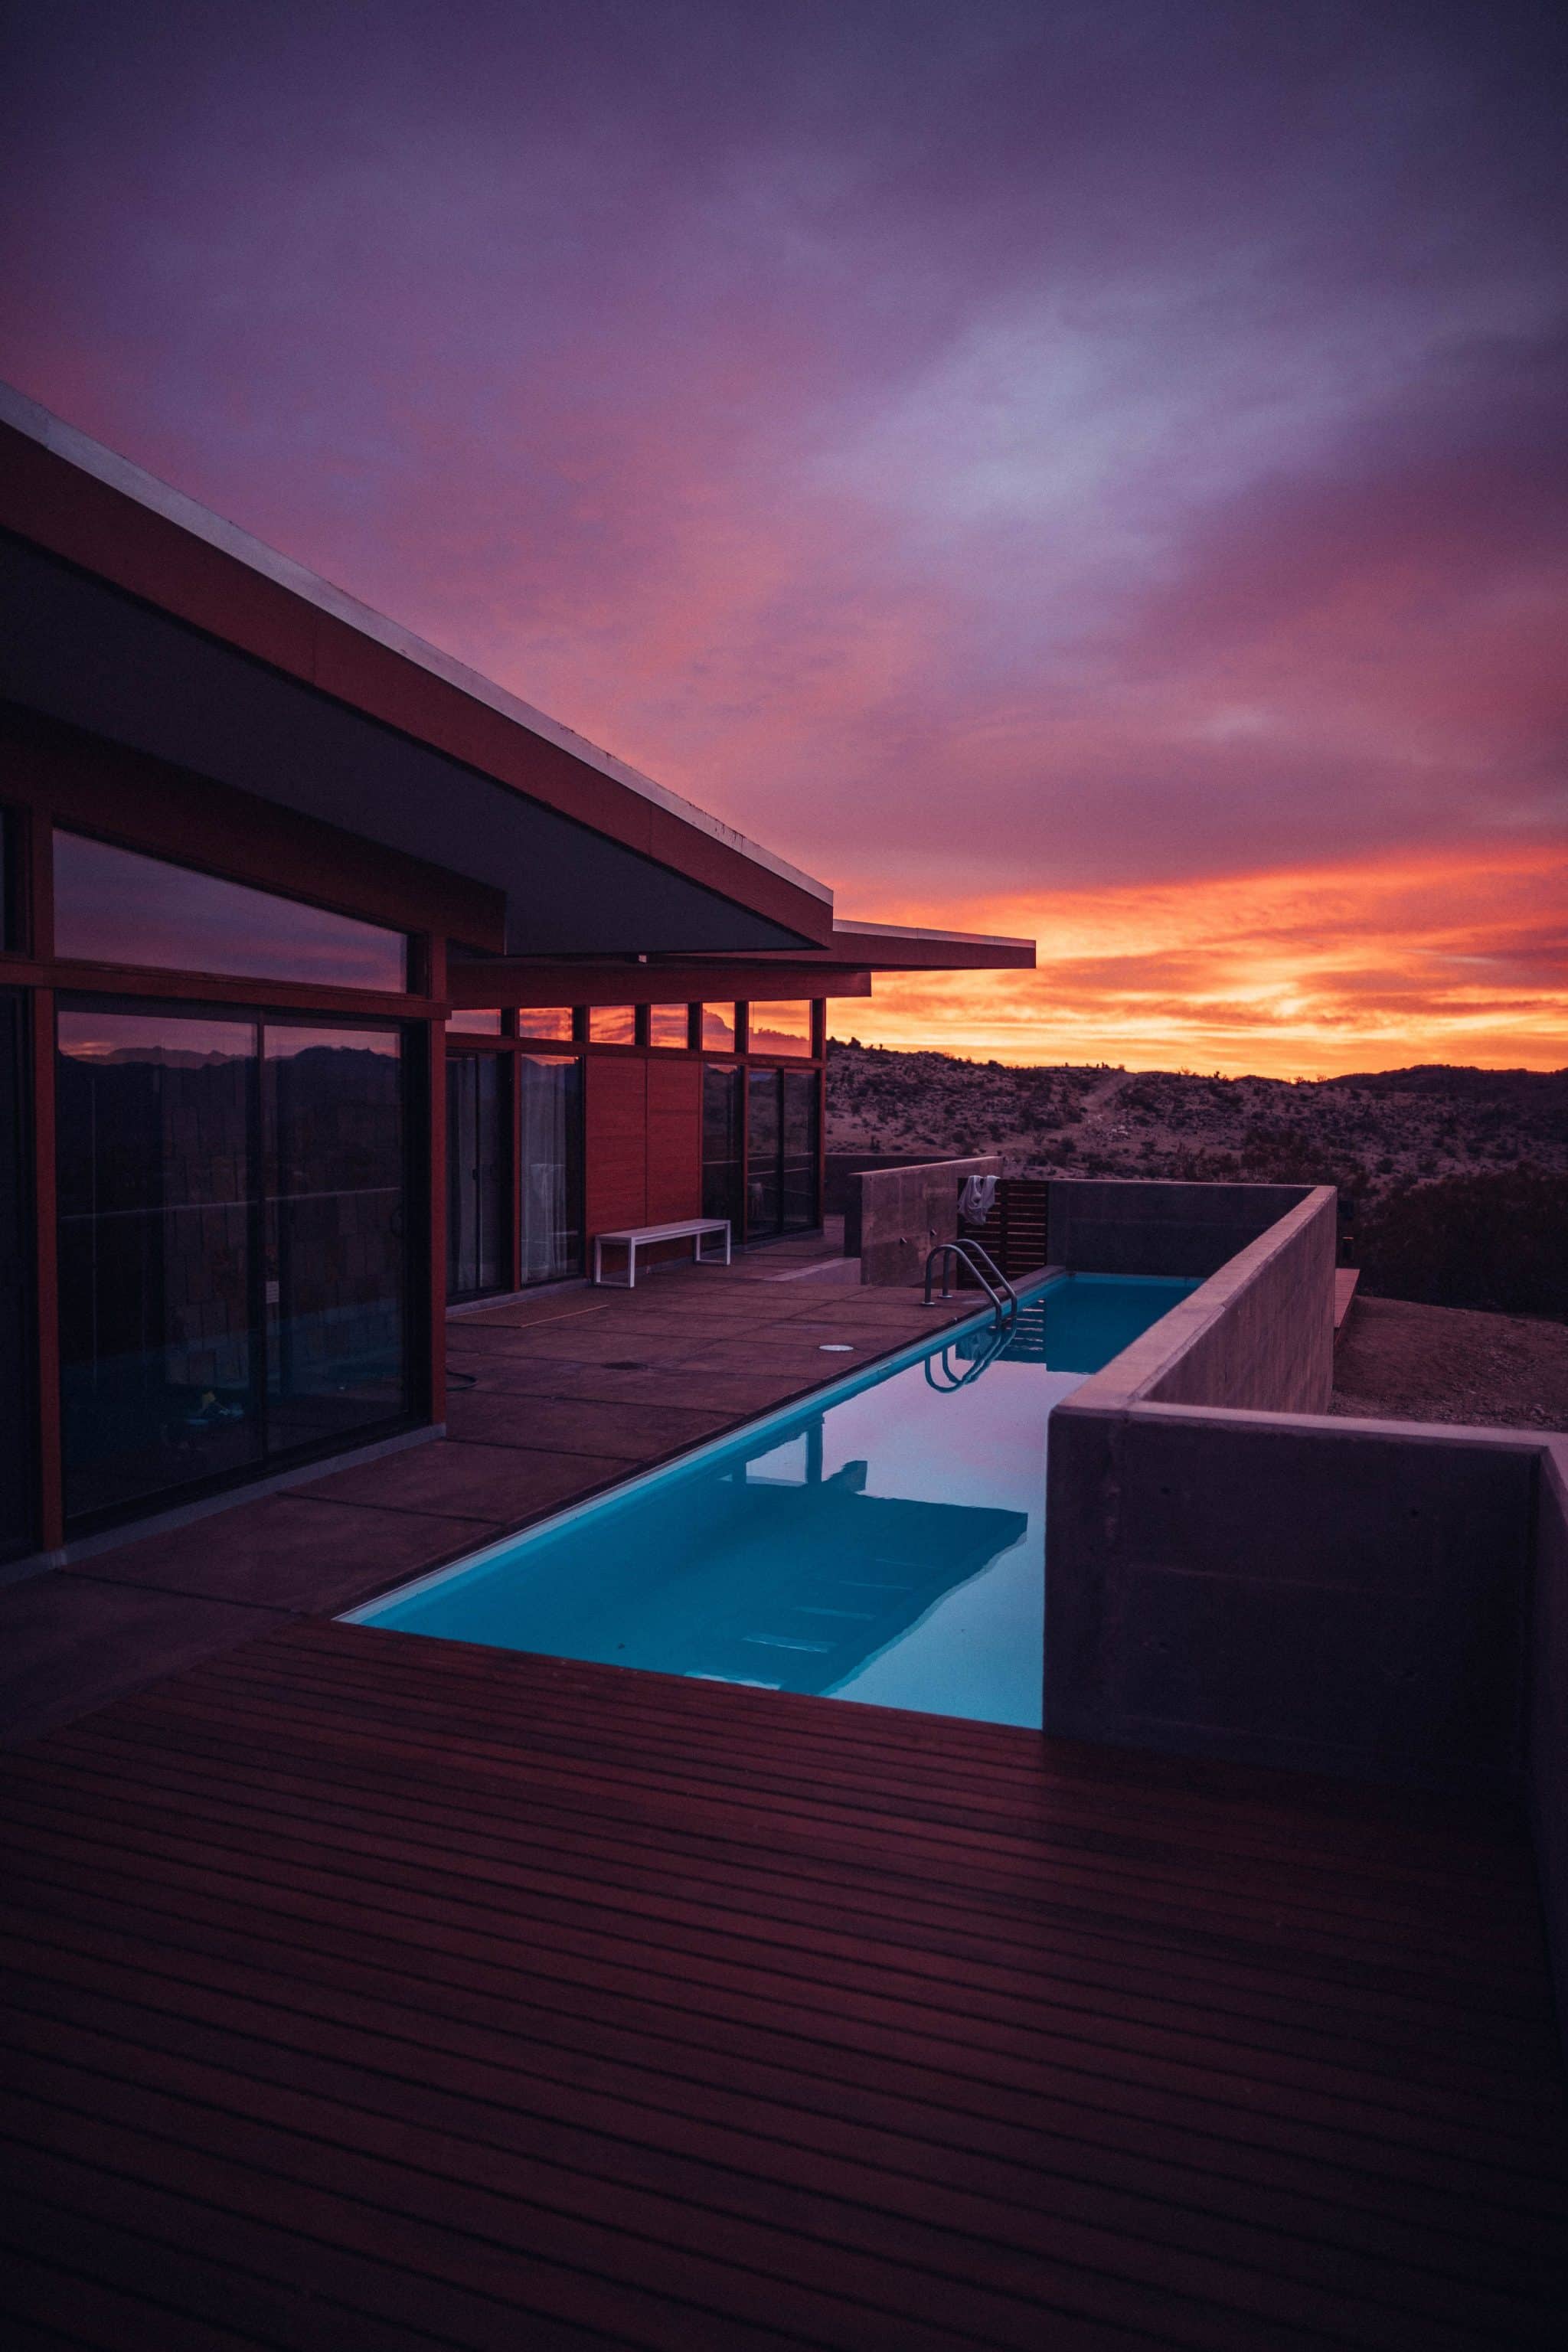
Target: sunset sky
1098	471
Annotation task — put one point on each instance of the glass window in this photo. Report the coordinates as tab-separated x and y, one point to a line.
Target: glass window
8	924
158	1284
232	1246
114	906
16	1396
612	1024
478	1187
548	1022
670	1025
778	1029
473	1024
722	1191
336	1274
782	1120
550	1108
798	1157
718	1028
762	1151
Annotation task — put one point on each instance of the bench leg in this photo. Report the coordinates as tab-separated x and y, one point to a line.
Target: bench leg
600	1282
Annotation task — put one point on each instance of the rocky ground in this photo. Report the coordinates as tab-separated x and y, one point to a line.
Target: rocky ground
1402	1362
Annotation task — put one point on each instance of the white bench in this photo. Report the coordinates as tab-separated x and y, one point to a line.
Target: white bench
631	1238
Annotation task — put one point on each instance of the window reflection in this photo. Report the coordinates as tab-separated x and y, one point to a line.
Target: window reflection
477	1177
158	1344
17	1269
782	1122
473	1024
116	906
669	1024
612	1024
9	923
549	1023
778	1029
721	1188
332	1111
550	1107
231	1239
718	1028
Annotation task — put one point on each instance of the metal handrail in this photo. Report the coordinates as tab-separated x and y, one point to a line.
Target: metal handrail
952	1382
981	1265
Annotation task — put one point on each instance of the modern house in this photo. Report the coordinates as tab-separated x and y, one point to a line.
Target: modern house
336	985
782	1812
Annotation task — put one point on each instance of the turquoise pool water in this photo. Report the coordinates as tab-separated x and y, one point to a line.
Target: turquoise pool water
884	1543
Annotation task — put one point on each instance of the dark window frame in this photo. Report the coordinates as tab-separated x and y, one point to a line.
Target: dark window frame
413	1064
15	1008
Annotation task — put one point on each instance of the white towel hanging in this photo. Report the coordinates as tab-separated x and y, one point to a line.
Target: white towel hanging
977	1198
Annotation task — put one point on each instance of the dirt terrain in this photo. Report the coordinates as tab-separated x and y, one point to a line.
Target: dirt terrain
1402	1362
1364	1133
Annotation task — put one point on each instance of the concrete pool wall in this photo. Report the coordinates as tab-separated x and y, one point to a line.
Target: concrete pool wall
1232	1572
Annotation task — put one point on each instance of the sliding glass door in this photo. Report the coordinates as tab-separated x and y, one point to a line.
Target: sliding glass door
550	1166
18	1415
722	1193
782	1137
335	1223
233	1246
799	1207
479	1186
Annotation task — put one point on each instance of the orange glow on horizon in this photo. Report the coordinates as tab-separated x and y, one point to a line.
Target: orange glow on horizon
1460	958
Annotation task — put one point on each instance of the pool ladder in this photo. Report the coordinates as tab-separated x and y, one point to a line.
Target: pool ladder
983	1266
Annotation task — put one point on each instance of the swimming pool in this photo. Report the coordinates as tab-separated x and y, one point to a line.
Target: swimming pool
883	1542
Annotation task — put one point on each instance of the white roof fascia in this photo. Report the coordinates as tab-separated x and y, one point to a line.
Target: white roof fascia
847	926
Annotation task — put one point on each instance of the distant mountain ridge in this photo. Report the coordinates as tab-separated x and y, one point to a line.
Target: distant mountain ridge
1364	1132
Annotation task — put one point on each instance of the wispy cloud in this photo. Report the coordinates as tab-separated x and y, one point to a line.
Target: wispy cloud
1087	460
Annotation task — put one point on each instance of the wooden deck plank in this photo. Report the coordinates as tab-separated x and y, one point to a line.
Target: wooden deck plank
449	1992
996	1997
343	1984
921	2265
1039	2052
744	2168
572	1862
1035	1958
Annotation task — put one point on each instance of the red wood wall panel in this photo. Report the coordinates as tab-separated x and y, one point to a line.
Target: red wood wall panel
614	1120
674	1139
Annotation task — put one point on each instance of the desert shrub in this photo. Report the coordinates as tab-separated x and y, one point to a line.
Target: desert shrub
1495	1241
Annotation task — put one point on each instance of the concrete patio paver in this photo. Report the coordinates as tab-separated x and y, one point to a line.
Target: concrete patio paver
296	1551
73	1642
490	1486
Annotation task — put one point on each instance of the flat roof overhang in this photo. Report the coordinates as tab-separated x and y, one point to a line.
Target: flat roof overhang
502	981
130	612
845	968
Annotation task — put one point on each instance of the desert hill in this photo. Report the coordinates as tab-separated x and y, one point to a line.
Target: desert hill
1363	1133
1454	1180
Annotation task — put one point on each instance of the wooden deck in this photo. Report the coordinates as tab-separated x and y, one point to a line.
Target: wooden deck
368	1992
